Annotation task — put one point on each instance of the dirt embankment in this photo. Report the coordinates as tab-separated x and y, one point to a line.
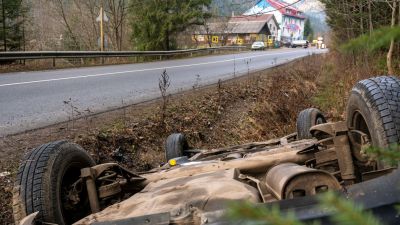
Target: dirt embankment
257	107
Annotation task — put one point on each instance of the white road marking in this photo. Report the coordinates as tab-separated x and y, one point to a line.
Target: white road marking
142	70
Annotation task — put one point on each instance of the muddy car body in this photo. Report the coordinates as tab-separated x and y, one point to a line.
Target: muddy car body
60	183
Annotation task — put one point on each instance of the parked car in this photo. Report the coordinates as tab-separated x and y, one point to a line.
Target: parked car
299	43
258	45
59	183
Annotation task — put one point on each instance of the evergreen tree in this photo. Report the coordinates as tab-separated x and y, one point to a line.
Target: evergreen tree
156	22
308	31
11	22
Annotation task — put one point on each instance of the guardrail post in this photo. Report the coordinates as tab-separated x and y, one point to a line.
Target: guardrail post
160	57
54	62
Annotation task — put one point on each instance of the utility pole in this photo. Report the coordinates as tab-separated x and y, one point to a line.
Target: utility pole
102	19
4	25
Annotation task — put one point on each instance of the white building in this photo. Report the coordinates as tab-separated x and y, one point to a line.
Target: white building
291	20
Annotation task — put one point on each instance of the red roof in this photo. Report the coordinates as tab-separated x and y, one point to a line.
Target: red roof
282	6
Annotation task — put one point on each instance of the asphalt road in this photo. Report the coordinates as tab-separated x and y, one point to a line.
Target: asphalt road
30	100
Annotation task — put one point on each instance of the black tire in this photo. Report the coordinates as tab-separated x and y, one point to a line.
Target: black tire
307	119
175	146
374	109
40	182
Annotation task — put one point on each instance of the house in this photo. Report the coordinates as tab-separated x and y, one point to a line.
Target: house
240	30
291	20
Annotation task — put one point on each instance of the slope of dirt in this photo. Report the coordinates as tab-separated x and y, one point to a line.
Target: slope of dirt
257	107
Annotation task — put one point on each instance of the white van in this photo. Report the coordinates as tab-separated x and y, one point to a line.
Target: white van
297	43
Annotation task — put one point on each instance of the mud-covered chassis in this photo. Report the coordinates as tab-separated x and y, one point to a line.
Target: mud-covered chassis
60	182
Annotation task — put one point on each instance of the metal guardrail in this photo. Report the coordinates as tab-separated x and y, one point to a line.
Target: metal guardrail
5	56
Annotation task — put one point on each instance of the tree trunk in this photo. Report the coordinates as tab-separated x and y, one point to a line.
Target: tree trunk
64	17
371	25
391	48
4	25
361	10
167	40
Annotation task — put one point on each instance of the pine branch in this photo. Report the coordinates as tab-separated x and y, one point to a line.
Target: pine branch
248	213
346	212
390	155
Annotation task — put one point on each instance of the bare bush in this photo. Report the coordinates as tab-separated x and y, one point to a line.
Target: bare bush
163	85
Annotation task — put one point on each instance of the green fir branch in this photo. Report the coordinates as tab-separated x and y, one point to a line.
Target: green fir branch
378	39
390	155
346	212
248	213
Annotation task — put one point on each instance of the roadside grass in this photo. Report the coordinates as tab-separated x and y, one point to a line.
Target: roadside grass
260	107
339	74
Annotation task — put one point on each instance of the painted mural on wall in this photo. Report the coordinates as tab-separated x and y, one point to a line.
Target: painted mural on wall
283	13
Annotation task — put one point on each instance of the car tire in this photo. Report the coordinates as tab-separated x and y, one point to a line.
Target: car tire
41	181
374	109
175	146
307	119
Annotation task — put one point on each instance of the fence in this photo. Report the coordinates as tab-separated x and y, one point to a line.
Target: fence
38	55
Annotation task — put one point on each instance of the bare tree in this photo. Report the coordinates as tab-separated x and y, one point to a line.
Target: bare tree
62	11
163	85
371	25
118	13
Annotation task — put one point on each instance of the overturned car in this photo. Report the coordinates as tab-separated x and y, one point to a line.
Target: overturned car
59	183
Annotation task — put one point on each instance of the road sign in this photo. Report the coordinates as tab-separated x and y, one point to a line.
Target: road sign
105	17
215	39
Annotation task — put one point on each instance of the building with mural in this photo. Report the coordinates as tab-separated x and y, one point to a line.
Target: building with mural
291	20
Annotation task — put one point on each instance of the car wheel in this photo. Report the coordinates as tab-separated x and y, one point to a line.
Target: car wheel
374	109
307	119
175	146
43	179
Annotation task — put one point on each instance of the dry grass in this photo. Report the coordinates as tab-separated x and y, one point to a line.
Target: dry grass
254	108
340	74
